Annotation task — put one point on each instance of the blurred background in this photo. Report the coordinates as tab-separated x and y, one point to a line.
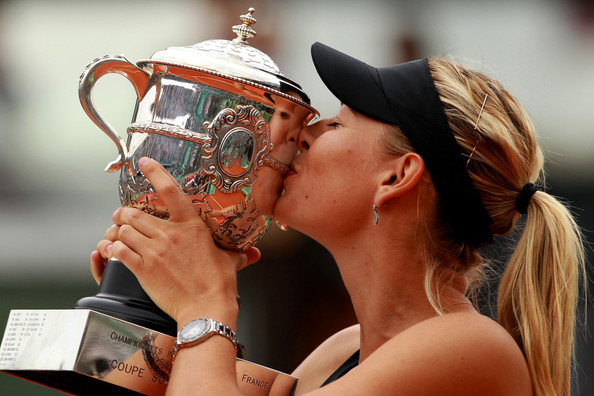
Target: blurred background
56	202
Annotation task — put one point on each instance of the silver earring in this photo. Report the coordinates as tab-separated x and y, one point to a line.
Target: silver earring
375	215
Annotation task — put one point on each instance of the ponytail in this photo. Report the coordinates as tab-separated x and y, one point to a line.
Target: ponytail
539	292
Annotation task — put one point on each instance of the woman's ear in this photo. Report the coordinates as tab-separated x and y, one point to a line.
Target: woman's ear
401	175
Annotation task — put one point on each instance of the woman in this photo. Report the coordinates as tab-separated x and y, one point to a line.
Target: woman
424	163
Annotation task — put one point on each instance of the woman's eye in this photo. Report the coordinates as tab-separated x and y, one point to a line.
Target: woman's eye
334	124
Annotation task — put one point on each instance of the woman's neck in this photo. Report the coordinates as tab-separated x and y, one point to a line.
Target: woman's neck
387	289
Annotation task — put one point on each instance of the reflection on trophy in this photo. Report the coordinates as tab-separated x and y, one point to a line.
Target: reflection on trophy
223	120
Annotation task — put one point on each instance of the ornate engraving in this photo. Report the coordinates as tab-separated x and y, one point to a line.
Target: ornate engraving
138	192
195	184
170	131
238	142
241	225
275	164
240	52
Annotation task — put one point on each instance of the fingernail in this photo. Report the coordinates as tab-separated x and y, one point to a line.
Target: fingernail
143	161
108	248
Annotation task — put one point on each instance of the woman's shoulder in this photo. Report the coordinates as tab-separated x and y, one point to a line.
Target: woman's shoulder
326	358
462	332
457	353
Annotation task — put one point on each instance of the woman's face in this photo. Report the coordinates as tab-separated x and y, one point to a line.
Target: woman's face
332	181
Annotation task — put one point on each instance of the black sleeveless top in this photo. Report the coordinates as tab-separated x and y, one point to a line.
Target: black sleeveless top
347	366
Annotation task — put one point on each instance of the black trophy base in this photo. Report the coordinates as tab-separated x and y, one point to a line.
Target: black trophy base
120	295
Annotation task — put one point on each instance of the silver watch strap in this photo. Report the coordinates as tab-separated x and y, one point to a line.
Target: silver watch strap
215	328
225	331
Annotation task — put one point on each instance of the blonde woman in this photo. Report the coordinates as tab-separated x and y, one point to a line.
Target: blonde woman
424	163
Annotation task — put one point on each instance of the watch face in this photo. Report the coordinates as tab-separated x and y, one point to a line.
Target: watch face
193	330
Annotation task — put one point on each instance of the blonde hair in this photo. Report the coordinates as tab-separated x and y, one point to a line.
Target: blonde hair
539	290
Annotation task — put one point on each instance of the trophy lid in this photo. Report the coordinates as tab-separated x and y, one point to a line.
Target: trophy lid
234	59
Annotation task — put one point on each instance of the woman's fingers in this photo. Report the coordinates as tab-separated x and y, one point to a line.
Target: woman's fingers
132	244
112	233
129	257
104	248
97	266
133	239
143	222
168	190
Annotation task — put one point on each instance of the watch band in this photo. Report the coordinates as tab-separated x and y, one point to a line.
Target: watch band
225	331
200	330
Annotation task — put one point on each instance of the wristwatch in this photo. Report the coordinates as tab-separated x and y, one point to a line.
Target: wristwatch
199	330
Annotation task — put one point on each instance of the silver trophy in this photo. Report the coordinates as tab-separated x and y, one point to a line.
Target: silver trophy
217	115
211	114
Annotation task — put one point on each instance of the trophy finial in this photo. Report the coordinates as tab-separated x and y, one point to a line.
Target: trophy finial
245	31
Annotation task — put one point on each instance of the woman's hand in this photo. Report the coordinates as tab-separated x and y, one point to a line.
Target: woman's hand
175	260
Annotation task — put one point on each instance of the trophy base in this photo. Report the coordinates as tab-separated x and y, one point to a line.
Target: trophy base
84	352
121	296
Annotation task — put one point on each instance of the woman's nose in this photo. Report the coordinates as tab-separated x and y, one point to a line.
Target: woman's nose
310	133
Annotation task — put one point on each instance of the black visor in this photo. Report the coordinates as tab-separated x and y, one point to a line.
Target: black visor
405	95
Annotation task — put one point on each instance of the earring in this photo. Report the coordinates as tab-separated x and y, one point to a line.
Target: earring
375	215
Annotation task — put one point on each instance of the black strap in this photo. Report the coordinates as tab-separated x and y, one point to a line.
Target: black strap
347	366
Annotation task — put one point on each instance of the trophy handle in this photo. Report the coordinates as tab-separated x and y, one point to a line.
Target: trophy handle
97	69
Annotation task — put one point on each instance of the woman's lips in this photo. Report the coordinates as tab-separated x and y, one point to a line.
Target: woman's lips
291	171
